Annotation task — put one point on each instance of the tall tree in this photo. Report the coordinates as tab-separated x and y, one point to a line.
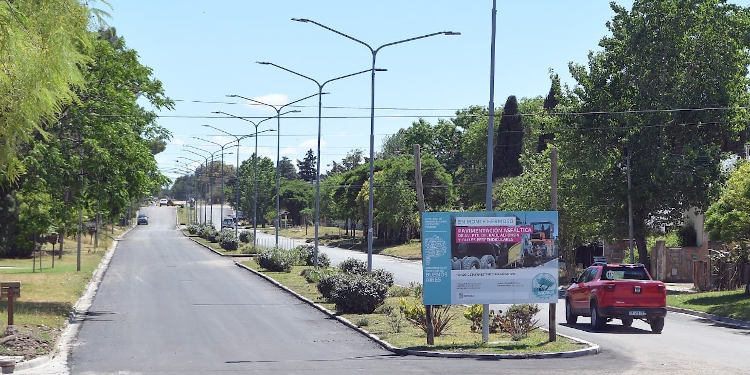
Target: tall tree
661	55
307	167
509	141
286	169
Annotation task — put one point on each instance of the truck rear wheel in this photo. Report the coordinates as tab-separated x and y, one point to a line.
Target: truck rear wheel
627	322
597	321
657	324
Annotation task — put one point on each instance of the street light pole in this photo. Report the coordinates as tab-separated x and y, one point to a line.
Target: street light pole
317	169
221	206
205	168
278	146
255	166
237	183
374	52
195	186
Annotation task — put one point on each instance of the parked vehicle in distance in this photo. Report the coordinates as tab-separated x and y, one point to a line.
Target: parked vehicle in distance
227	222
617	291
142	219
163	202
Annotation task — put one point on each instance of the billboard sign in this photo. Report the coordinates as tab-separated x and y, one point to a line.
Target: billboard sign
489	257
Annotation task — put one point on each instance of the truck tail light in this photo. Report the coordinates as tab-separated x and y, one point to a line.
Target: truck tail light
661	289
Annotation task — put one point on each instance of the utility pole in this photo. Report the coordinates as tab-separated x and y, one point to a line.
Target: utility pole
553	207
490	155
420	204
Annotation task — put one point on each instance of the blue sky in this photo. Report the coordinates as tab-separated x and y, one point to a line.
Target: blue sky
204	50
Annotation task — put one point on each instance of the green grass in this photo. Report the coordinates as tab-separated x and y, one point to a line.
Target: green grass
732	304
411	250
48	296
457	338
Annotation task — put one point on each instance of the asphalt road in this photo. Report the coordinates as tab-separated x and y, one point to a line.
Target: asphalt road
687	344
168	306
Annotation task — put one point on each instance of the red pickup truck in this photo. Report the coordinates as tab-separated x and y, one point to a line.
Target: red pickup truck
617	291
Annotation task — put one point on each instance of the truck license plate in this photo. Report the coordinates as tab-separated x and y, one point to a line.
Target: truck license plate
637	313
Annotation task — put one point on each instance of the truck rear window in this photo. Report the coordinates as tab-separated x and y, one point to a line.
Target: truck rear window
624	273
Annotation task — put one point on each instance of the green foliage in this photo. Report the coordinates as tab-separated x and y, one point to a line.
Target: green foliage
277	259
42	47
208	232
518	320
415	313
227	240
246	236
399	291
308	254
193	229
656	58
358	294
395	318
326	283
509	141
307	167
474	315
313	276
728	219
353	266
382	276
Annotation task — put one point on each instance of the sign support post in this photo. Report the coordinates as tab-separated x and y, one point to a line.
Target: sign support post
553	207
420	202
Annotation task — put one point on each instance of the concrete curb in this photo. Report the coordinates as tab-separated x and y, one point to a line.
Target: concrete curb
56	362
592	349
716	318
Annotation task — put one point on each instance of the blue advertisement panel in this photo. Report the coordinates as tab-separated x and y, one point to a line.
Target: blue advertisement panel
489	257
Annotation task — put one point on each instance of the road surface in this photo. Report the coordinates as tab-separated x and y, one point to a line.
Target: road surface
169	306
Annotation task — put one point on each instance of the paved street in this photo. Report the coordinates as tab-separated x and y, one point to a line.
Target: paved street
168	306
687	343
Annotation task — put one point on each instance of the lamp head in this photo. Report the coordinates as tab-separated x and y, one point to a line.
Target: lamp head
300	19
231	96
451	33
263	62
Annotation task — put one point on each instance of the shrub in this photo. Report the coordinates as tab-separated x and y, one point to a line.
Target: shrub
415	313
227	240
416	289
246	236
519	320
394	316
312	275
276	260
193	229
248	249
309	256
399	291
357	294
208	232
362	321
474	315
353	266
326	283
383	276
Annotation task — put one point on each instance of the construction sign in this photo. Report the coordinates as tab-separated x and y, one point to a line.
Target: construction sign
489	257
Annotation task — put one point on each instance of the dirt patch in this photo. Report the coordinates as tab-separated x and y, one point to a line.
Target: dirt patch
28	341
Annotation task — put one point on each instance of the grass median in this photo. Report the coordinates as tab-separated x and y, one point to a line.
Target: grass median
47	294
397	331
732	304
